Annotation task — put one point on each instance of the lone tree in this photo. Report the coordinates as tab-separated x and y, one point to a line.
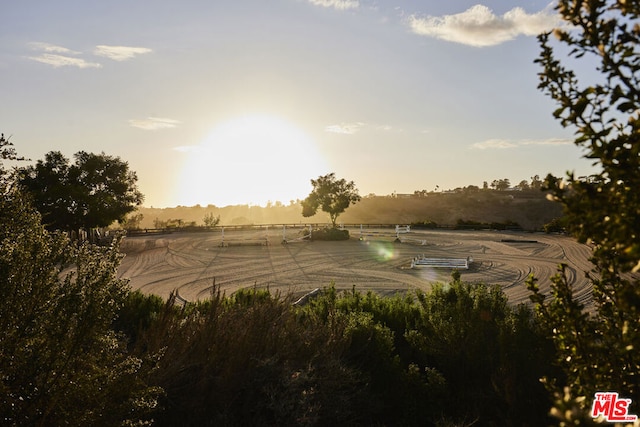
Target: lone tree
332	195
94	192
598	351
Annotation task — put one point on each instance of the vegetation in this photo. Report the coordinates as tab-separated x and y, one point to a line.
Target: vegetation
93	192
476	225
60	361
210	220
332	195
597	351
528	208
330	233
453	356
7	151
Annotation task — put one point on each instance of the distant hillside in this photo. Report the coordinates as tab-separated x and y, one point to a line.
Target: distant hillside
528	208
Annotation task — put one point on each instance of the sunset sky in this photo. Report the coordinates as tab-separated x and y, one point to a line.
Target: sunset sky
244	101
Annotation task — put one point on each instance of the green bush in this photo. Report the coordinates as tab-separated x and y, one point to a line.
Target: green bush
428	224
457	353
137	313
249	359
476	225
331	234
556	225
60	361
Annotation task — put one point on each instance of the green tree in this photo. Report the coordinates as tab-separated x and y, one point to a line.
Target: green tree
501	184
536	182
132	221
211	220
598	351
332	195
7	150
93	192
60	361
523	185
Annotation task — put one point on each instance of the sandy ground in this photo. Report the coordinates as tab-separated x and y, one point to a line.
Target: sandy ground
192	262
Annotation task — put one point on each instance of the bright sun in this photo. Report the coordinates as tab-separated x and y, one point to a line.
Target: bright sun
250	160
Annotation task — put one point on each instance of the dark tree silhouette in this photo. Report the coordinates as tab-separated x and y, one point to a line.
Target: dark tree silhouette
332	195
93	192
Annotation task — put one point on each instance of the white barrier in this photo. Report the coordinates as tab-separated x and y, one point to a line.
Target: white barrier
297	239
264	241
308	296
452	263
400	229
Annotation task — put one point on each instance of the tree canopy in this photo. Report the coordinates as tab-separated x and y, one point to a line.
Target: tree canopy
598	351
330	194
95	191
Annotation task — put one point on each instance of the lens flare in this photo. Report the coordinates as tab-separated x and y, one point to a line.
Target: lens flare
429	274
383	251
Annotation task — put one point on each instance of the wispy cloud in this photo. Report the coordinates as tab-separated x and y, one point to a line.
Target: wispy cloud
154	123
550	141
345	128
337	4
63	61
59	56
479	26
51	48
494	143
504	143
120	53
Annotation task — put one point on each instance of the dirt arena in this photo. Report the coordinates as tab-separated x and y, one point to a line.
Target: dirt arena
190	262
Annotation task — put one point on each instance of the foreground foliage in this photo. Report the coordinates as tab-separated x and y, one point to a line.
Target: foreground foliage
453	356
60	361
598	351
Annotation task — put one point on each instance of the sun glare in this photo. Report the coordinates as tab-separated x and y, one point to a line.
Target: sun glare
250	160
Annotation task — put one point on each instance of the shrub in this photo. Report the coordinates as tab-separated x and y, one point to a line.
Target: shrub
556	225
60	361
428	224
457	353
332	234
250	360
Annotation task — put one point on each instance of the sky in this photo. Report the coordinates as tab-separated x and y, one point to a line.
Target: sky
245	101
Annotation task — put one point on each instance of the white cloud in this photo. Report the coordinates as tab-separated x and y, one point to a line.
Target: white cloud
479	26
494	143
63	61
503	143
120	53
550	141
337	4
345	128
154	123
51	48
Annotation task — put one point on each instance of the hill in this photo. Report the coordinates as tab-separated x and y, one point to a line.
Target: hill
529	208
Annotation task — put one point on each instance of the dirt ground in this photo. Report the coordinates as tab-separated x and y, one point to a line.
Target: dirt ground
192	262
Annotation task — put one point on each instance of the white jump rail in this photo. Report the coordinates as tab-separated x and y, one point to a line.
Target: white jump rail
451	263
263	241
285	240
400	229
